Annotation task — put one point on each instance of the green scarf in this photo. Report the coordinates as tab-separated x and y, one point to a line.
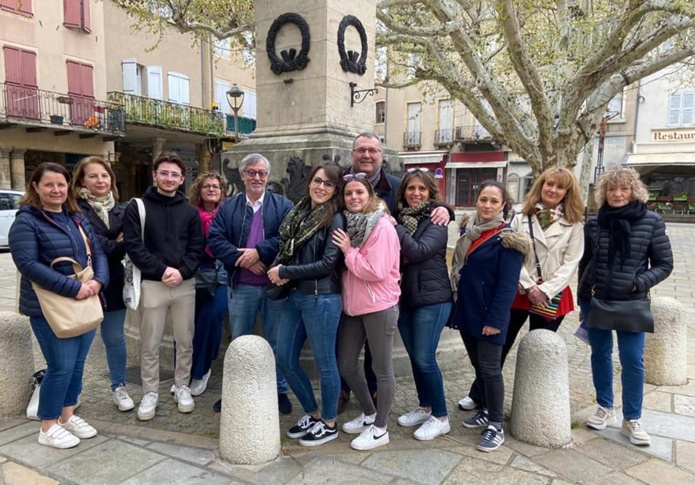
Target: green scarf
410	217
300	224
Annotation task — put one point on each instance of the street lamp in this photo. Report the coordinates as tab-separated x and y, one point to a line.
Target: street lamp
235	98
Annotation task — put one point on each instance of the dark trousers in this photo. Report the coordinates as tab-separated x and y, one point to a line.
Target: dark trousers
486	359
368	373
516	322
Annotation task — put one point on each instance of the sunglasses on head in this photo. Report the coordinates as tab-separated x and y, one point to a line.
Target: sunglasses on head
411	170
352	176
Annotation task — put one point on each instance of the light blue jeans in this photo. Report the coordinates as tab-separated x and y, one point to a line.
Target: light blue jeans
114	341
245	301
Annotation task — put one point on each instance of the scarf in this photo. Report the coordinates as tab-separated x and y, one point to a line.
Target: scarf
474	229
546	217
300	224
206	219
616	220
360	224
101	205
410	217
373	180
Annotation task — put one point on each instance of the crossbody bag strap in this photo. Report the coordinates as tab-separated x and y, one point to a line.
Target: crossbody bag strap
141	211
535	253
87	244
595	258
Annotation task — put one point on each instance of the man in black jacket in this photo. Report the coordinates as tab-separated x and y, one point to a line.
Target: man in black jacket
167	254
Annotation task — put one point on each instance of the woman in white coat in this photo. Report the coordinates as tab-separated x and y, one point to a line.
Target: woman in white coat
552	215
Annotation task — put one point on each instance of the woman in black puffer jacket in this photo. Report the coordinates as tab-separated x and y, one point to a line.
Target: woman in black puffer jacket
626	252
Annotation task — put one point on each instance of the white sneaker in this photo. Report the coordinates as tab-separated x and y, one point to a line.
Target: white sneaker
148	406
467	404
58	437
359	424
198	386
413	418
601	418
183	397
78	427
122	399
432	428
633	430
369	439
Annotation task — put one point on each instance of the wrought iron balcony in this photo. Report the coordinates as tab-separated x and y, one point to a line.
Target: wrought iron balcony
140	110
472	133
36	107
444	137
411	139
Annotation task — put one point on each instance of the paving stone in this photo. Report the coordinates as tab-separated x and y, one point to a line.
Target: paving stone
617	478
572	465
354	457
117	461
523	448
612	454
134	441
424	466
582	435
28	451
16	474
17	432
687	390
669	425
329	472
174	472
7	422
684	405
658	401
661	448
501	456
523	463
472	471
685	455
659	472
185	453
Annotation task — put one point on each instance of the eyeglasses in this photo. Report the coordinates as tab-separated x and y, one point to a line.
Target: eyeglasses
252	173
371	151
211	187
167	174
353	176
424	170
317	182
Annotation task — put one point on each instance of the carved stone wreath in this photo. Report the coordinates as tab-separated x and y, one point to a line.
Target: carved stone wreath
291	61
352	61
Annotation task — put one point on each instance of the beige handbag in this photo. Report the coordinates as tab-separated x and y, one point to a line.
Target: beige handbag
67	316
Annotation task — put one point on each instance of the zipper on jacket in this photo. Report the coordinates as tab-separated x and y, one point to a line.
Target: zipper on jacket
371	293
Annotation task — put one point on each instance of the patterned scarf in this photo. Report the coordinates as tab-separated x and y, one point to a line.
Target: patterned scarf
300	224
101	205
360	224
373	180
410	217
548	216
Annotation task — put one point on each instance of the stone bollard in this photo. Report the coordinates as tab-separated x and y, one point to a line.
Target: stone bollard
666	350
250	423
16	362
541	401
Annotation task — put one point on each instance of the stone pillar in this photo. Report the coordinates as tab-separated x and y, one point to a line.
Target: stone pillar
541	400
666	350
204	157
16	362
5	177
17	169
157	147
249	425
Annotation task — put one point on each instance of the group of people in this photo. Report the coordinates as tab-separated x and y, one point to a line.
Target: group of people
360	256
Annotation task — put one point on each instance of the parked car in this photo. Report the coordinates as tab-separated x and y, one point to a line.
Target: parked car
8	208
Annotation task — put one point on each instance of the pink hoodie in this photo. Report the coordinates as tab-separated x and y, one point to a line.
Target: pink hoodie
370	283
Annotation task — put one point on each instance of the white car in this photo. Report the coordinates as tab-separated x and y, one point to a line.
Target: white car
8	208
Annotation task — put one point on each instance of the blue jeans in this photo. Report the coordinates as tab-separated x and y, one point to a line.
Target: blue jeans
315	317
114	342
420	330
209	315
65	359
631	352
245	301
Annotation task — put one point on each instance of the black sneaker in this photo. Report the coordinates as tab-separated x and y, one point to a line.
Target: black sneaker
303	426
491	440
321	433
217	407
284	404
478	421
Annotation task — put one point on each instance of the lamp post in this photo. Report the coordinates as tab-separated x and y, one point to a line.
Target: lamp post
235	98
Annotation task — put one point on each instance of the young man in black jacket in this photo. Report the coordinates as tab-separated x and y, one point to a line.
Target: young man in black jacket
167	255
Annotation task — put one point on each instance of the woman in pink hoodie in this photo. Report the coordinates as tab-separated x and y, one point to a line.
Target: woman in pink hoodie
370	306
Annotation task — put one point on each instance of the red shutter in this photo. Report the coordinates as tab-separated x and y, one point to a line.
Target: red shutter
20	74
13	65
81	91
23	6
72	13
86	16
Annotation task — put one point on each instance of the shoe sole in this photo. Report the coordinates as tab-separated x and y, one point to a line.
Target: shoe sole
355	430
474	426
146	417
318	442
374	445
126	408
433	437
204	380
635	441
186	409
67	447
296	436
601	427
410	425
487	450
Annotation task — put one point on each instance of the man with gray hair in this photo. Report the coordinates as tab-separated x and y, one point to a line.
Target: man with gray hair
244	236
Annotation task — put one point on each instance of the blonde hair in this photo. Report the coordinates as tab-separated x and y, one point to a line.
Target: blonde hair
622	177
572	204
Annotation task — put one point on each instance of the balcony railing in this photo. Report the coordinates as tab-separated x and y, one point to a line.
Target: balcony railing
411	139
140	110
444	137
37	107
472	133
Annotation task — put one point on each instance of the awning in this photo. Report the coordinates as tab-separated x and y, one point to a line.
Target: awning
476	165
420	158
660	159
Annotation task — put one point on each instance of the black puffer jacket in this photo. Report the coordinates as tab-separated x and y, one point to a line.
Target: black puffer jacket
317	266
650	261
425	274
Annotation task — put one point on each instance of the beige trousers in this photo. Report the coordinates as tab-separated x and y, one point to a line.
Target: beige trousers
156	300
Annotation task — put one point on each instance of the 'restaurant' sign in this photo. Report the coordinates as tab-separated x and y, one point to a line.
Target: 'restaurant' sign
673	135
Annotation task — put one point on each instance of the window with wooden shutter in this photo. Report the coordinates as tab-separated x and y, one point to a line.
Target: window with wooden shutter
131	76
17	6
21	83
77	14
178	88
81	92
249	104
681	109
